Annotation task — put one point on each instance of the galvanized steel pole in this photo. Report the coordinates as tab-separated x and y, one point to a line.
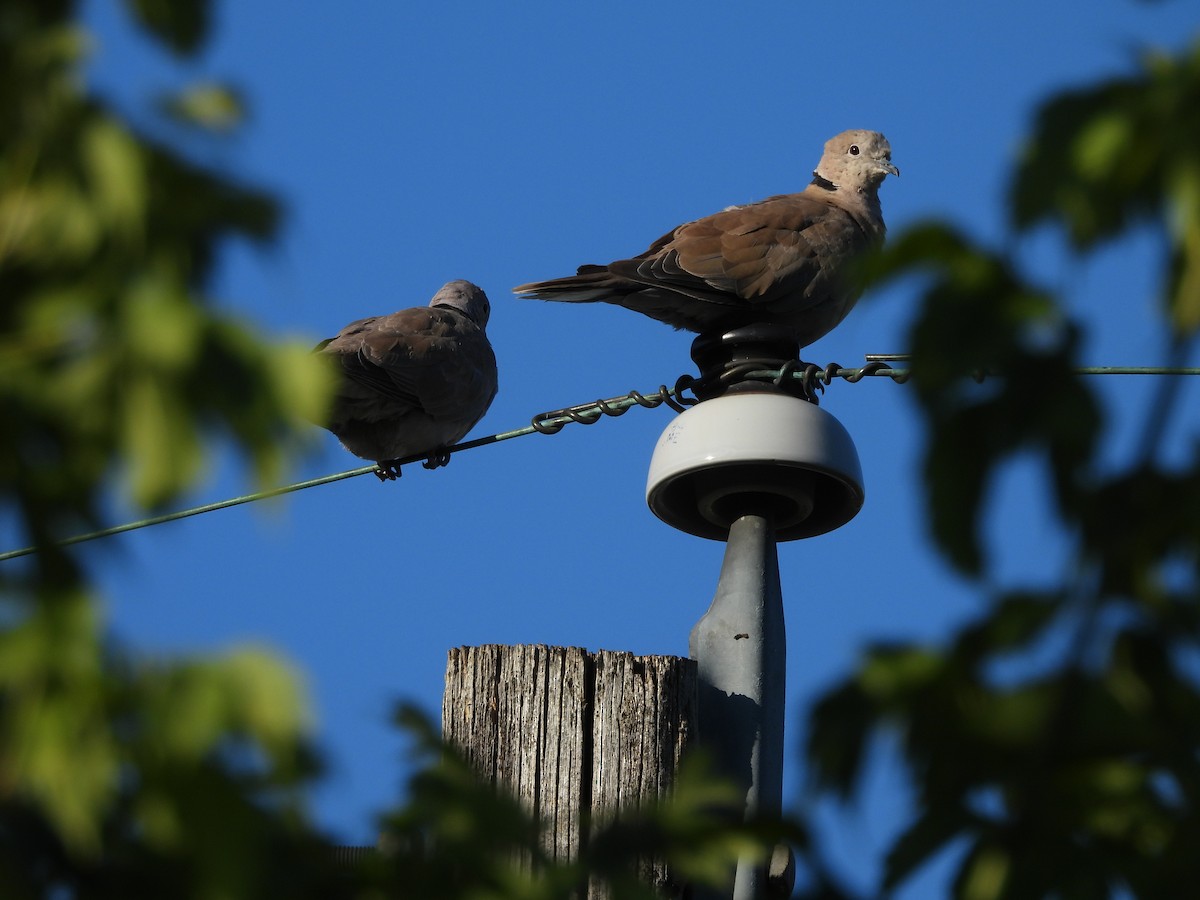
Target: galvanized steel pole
740	649
754	463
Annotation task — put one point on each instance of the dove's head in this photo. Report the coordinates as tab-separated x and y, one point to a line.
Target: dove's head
467	298
856	160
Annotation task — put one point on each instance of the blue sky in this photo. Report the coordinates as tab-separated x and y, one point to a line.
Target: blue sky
414	144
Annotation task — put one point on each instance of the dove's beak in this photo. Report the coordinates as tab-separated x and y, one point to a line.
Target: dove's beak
888	169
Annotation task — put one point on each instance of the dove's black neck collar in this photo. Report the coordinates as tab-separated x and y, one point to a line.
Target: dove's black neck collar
822	182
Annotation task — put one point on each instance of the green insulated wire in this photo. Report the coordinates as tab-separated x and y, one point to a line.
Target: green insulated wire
548	424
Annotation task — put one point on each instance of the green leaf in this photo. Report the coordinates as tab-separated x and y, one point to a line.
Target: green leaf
932	831
302	382
160	440
984	874
265	696
161	325
48	224
216	108
1101	145
839	730
1016	620
55	742
116	177
181	24
1183	288
1106	157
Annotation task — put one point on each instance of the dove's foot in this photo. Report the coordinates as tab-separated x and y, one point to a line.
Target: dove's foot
437	459
387	470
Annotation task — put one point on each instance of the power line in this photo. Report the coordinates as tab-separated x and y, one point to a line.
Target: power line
544	423
553	421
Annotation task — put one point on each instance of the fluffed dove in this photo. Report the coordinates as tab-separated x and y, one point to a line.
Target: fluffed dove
781	260
415	381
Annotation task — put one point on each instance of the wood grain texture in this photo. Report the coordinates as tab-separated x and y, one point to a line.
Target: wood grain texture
576	736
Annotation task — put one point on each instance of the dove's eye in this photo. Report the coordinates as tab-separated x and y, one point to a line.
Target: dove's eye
854	149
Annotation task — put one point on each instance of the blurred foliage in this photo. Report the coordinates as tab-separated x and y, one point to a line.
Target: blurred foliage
120	777
1072	773
1053	743
111	361
1128	151
456	837
980	317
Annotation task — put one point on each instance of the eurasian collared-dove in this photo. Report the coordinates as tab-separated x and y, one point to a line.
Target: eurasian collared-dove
781	260
414	381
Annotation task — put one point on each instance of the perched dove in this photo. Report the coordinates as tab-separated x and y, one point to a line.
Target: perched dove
415	381
781	260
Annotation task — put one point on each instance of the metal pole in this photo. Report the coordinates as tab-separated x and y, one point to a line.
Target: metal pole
741	653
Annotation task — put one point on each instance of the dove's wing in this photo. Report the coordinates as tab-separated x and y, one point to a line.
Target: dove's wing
427	358
415	381
753	254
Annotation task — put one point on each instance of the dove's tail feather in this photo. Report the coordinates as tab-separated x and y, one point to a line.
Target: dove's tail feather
591	284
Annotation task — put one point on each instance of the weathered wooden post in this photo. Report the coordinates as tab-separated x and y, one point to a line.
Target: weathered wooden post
575	736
